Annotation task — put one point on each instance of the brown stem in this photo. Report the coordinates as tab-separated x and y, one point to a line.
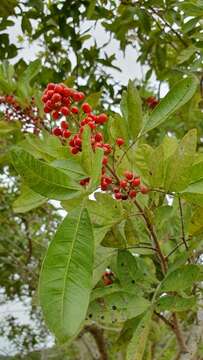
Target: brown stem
162	258
113	173
182	223
165	320
179	335
99	339
25	222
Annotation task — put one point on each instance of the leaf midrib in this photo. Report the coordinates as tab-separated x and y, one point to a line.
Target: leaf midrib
68	266
46	180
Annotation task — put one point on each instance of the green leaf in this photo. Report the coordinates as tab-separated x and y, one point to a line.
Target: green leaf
131	107
26	25
136	347
133	271
94	99
97	168
87	152
196	225
66	276
180	279
117	307
43	178
105	210
7	7
28	200
117	127
177	175
71	167
31	71
8	127
179	95
186	54
175	303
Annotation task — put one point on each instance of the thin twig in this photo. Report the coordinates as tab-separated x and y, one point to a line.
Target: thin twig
182	223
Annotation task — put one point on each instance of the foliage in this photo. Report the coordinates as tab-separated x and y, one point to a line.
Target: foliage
124	266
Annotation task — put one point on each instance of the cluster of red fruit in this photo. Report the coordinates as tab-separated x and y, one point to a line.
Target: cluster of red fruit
28	116
152	102
126	188
58	100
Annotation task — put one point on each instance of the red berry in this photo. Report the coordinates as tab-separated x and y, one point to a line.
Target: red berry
72	142
105	160
49	104
67	92
66	102
47	109
51	86
144	189
102	118
124	197
91	124
132	194
55	115
66	134
98	137
44	98
123	184
76	96
120	141
81	95
74	110
75	150
49	93
59	89
56	98
118	196
107	149
108	180
64	125
86	108
82	182
136	181
78	141
56	131
64	110
128	175
116	190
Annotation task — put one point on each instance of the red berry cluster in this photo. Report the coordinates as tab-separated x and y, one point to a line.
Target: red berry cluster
29	116
152	102
129	186
62	130
58	99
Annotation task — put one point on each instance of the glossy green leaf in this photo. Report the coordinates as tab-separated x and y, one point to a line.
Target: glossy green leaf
7	7
175	303
136	347
180	279
43	178
179	95
87	152
28	200
131	107
196	224
8	127
66	276
177	175
96	169
117	307
117	127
